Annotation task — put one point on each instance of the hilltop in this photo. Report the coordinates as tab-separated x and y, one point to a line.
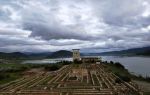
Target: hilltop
60	54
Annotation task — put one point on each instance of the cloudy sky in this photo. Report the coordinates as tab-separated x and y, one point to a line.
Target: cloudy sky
90	25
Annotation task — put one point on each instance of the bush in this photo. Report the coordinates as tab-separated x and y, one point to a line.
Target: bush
77	62
124	78
4	76
105	62
117	64
117	80
51	67
111	62
65	62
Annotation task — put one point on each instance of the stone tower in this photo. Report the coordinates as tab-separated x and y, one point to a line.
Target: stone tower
76	54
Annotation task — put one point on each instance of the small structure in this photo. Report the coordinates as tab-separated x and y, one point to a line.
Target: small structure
90	59
76	55
85	59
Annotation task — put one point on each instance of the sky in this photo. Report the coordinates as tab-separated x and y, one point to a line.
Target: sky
89	25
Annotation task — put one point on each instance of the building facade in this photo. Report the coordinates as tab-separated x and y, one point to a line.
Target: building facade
76	55
85	59
90	59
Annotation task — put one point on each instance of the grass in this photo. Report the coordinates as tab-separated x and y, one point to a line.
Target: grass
146	93
124	72
117	70
10	77
14	70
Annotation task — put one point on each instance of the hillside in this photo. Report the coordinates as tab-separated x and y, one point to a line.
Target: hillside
60	54
143	51
30	55
13	55
41	55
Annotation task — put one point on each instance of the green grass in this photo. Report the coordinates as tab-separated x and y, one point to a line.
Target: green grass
146	93
11	77
10	72
14	70
10	65
117	70
124	72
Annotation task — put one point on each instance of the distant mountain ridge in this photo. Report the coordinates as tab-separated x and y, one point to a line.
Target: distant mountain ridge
30	55
12	55
60	54
143	51
38	55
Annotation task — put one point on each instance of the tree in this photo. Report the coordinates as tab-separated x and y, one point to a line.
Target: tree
111	62
117	64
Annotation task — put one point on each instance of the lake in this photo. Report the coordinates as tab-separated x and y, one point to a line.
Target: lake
135	65
47	61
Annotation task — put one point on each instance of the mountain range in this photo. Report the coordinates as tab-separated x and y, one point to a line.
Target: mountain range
60	54
143	51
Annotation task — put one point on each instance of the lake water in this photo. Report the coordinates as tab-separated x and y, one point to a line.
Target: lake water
47	61
135	65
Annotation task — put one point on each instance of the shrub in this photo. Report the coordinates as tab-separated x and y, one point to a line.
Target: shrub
124	78
77	62
66	62
117	64
117	80
51	67
4	76
111	62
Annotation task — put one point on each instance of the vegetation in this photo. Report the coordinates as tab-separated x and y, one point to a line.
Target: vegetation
52	67
77	62
118	81
56	66
9	72
123	73
146	93
12	71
